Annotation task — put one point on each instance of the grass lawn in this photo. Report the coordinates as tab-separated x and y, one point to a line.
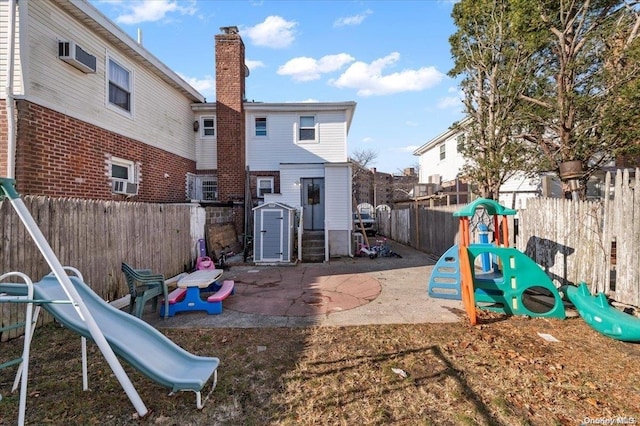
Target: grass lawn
498	373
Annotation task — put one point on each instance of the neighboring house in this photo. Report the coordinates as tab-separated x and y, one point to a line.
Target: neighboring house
89	123
382	189
99	117
441	162
296	153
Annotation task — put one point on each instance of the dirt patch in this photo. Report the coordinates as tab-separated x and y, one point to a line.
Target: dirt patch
501	372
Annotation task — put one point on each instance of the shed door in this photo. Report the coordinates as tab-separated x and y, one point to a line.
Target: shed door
271	234
313	203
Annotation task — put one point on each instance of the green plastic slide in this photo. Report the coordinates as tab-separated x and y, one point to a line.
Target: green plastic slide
596	311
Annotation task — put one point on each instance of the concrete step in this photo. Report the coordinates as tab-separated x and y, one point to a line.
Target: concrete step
313	246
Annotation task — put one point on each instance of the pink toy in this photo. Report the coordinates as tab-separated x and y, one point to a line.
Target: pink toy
204	262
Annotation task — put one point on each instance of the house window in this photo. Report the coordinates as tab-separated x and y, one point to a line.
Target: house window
202	187
124	179
261	126
208	127
307	128
264	186
209	189
123	169
460	143
119	86
443	151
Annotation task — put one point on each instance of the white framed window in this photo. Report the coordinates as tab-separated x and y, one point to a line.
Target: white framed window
124	176
207	127
119	87
260	124
307	128
123	169
443	151
264	185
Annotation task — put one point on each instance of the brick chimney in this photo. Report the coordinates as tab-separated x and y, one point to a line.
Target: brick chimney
230	76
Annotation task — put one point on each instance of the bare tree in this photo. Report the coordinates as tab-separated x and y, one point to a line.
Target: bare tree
362	159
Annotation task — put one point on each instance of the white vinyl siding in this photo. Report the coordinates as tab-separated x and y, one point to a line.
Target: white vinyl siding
337	195
282	146
290	175
432	164
206	147
4	51
54	84
338	208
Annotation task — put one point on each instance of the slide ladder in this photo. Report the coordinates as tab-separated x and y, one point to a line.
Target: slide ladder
444	282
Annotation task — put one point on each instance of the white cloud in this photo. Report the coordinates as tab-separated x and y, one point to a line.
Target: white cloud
307	69
274	32
352	20
206	85
252	65
411	123
153	10
408	148
449	102
369	80
367	139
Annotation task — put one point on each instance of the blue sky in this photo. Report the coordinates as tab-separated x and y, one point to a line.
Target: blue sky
391	57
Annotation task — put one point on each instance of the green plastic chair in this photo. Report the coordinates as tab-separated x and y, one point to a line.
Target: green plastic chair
143	287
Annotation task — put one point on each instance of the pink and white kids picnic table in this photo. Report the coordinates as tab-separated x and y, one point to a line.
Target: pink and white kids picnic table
187	296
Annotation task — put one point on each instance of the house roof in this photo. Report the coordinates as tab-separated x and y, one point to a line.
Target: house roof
349	107
93	19
441	137
272	205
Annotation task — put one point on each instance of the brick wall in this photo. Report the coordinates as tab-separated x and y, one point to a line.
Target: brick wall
230	83
60	156
230	120
253	181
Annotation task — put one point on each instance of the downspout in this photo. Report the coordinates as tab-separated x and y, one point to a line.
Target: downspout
11	136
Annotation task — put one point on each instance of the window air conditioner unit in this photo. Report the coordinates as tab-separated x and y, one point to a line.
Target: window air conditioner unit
74	55
120	186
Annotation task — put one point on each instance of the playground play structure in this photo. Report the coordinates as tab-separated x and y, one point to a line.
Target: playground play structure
499	278
507	274
70	301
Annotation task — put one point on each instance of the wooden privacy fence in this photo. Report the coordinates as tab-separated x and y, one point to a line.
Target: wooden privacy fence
430	229
596	242
593	241
96	237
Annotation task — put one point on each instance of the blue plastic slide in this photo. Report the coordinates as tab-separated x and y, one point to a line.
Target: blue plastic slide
138	343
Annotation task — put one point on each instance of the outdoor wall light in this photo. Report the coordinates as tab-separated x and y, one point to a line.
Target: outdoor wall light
196	125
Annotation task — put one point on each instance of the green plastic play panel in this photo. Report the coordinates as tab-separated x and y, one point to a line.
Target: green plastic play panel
503	292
